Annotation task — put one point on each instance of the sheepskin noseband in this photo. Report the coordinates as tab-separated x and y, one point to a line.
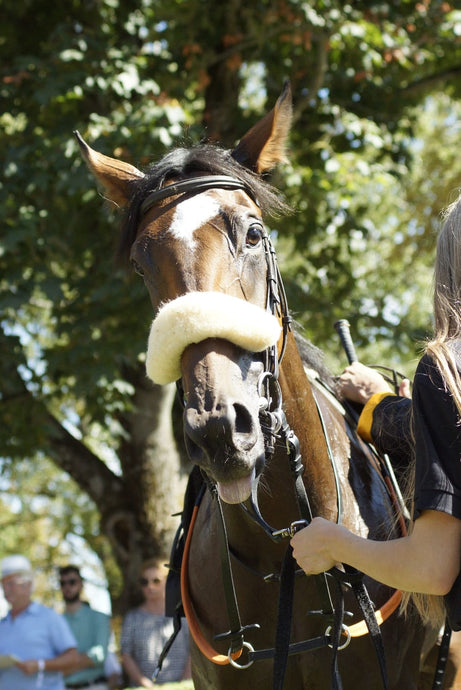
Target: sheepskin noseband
195	316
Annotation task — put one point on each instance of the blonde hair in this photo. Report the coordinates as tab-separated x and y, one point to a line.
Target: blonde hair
447	329
151	563
447	300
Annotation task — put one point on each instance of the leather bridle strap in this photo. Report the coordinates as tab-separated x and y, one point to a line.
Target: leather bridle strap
207	650
354	579
195	185
442	657
284	618
235	634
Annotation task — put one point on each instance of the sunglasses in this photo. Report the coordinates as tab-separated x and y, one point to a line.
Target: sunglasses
144	581
71	581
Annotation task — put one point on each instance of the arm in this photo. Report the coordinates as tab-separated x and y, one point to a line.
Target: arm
82	661
63	662
188	670
134	673
426	561
96	654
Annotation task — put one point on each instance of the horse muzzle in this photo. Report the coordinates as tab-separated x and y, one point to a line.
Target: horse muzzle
221	416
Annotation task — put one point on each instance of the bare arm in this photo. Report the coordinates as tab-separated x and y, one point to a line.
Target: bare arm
134	673
426	561
97	653
82	661
187	673
62	663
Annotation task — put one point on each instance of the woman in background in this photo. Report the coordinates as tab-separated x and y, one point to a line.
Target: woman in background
145	631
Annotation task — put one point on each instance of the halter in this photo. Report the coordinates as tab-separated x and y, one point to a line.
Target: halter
275	426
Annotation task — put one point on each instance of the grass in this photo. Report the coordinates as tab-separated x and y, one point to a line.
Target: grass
182	685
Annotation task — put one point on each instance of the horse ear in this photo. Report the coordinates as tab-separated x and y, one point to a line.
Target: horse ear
263	146
116	177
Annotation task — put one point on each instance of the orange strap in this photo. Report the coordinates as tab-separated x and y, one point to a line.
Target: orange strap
357	630
360	628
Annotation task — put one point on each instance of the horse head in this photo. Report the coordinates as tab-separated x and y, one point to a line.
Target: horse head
195	232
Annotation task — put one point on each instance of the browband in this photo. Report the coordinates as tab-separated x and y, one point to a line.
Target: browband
194	184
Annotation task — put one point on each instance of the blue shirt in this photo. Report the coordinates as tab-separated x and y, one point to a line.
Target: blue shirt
38	632
92	631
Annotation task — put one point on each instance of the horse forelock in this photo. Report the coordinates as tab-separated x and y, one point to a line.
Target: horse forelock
182	163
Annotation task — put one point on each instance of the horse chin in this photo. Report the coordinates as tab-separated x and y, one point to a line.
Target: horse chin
236	491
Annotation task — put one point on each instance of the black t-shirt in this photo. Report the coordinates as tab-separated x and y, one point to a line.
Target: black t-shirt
437	436
391	432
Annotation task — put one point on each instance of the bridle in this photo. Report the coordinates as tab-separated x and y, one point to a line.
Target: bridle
195	185
275	428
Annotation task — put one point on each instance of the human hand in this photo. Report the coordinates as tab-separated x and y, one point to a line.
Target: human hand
404	388
358	383
312	546
29	667
146	682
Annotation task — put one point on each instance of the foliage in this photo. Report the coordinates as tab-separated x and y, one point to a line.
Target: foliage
139	77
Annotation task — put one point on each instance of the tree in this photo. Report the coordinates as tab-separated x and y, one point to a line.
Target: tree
136	78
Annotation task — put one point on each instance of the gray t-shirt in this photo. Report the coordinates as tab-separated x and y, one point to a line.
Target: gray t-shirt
143	637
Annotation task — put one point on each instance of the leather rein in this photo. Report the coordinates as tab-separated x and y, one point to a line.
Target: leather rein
276	428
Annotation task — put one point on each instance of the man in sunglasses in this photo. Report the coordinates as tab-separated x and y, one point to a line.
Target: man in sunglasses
91	630
36	645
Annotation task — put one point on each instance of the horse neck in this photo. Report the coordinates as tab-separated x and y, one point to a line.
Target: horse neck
303	417
277	492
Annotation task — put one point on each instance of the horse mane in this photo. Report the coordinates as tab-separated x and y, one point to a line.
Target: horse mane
180	164
313	358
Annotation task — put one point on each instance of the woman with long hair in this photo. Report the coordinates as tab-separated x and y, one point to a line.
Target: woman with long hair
425	563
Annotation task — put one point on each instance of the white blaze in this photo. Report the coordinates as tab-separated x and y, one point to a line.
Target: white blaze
191	214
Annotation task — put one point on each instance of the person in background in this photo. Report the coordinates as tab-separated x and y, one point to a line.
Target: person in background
91	630
145	631
36	643
427	561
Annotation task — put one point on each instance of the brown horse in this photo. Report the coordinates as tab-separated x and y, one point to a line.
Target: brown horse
251	391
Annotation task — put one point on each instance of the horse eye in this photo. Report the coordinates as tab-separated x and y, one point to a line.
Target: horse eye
137	268
254	235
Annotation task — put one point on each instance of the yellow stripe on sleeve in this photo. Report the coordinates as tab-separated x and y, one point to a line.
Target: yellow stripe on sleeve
366	418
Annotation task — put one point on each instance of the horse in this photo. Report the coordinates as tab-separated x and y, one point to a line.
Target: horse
262	421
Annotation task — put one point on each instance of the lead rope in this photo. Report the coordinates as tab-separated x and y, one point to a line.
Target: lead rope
442	657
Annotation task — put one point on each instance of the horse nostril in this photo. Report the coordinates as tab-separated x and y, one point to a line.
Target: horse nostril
243	420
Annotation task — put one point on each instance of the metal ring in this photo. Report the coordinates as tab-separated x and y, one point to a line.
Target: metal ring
241	666
344	631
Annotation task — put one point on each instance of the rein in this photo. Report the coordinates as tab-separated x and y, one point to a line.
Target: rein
275	426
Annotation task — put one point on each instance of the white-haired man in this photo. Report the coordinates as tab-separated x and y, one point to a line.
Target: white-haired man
36	644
